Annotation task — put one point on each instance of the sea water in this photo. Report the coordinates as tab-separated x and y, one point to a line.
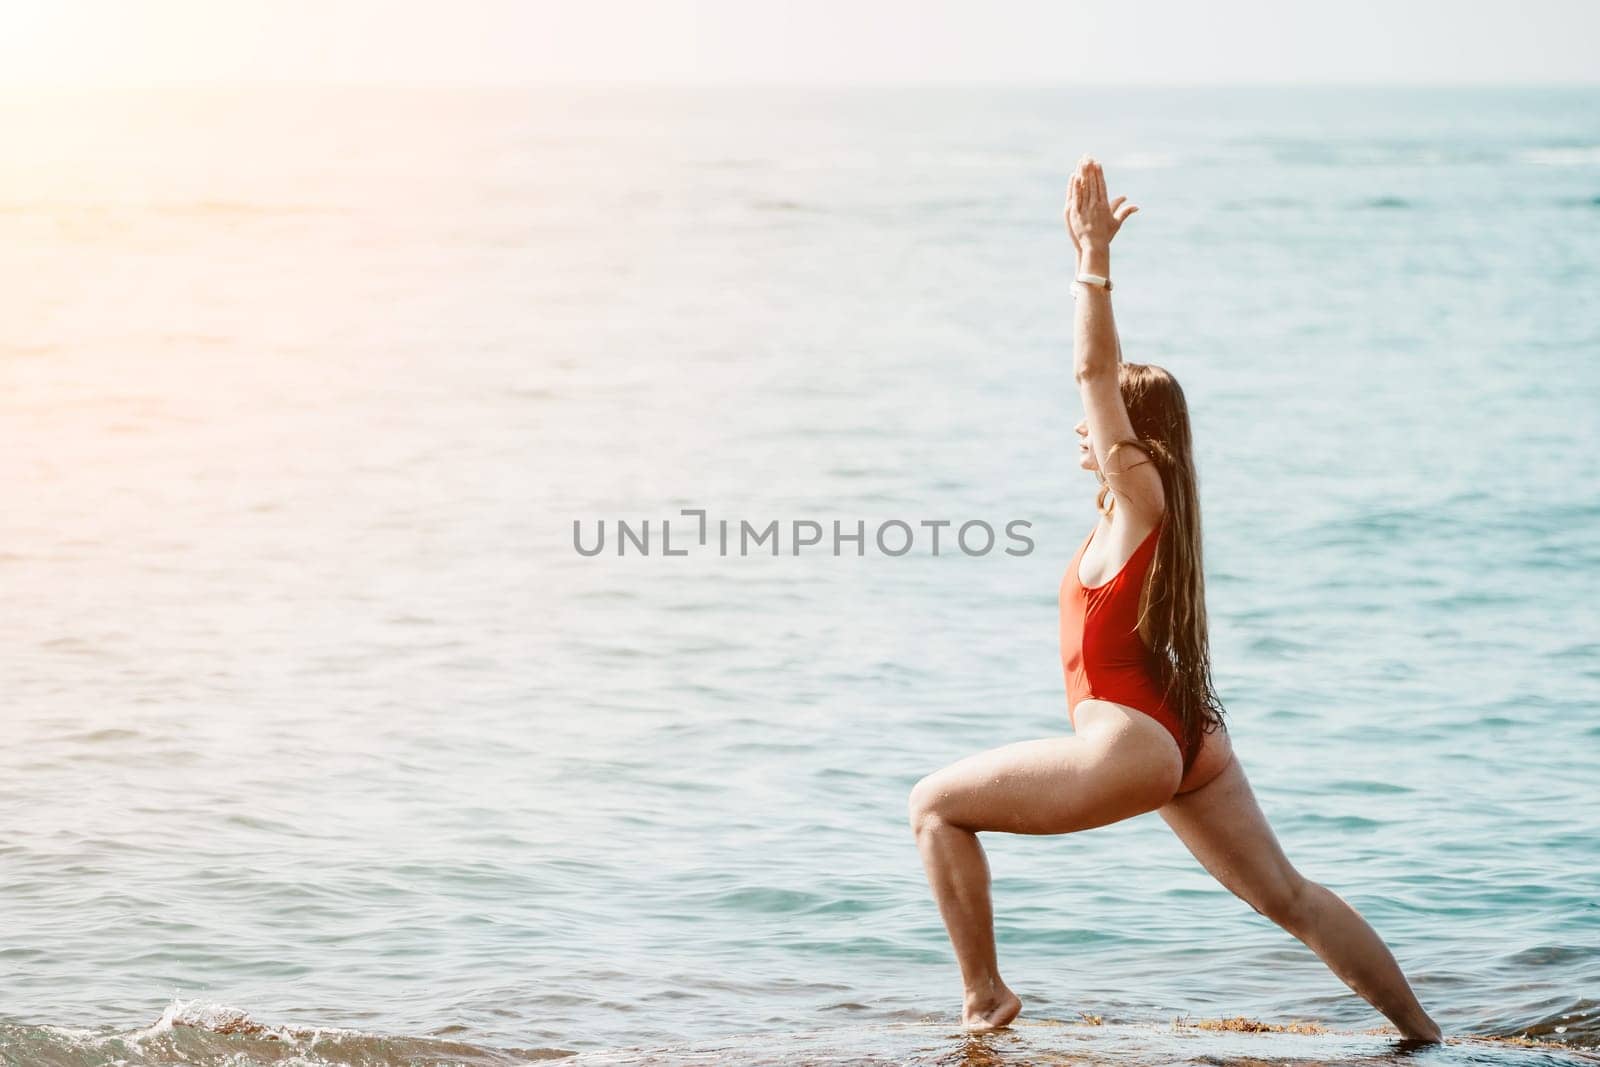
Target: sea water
324	743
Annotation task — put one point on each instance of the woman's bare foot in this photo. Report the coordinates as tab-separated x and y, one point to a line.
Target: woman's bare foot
1427	1033
990	1009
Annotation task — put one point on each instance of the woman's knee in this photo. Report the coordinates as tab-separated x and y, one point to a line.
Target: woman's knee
925	802
1288	902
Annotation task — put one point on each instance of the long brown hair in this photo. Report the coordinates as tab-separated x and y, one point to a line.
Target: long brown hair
1172	605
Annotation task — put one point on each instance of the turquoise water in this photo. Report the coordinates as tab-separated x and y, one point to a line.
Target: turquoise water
324	744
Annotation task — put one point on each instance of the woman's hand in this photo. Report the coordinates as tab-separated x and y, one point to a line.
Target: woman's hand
1092	220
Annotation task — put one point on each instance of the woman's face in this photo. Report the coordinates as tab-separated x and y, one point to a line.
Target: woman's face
1086	458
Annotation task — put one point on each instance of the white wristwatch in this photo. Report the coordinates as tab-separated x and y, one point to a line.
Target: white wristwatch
1094	279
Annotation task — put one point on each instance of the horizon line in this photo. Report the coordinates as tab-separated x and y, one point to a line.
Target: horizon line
787	83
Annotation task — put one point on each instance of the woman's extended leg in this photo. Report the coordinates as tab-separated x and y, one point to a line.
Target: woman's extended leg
1127	765
1222	825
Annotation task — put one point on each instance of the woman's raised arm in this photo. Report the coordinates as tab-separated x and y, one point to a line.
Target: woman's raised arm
1092	221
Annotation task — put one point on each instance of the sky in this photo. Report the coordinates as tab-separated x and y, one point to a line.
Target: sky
498	42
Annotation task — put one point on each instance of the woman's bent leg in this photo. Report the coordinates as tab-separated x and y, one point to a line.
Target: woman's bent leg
958	872
1049	786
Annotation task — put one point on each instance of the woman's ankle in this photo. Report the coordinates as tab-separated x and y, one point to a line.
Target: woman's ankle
991	988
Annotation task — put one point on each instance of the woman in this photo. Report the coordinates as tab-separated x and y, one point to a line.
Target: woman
1148	729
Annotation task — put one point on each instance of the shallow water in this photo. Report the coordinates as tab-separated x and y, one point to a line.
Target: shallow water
193	1033
317	719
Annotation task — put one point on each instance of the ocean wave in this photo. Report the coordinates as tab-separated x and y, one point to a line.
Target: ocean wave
198	1033
204	1034
1565	156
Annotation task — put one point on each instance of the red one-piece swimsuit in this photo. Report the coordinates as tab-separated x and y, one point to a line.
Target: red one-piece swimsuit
1101	650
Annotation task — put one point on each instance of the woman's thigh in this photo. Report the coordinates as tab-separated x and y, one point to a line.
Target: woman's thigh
1054	785
1223	826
